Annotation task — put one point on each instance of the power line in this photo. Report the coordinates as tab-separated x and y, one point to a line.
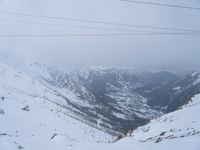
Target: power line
136	32
162	4
98	22
71	26
95	35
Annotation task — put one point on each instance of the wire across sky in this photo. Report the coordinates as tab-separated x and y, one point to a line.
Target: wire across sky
99	22
162	4
124	29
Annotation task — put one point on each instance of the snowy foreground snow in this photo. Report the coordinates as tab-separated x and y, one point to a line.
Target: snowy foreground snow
30	120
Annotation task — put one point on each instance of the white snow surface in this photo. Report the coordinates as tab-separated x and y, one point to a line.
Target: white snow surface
176	130
33	129
47	126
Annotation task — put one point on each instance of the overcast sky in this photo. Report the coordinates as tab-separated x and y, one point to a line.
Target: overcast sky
162	51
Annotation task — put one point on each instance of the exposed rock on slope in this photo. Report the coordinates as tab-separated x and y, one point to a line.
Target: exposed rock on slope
109	99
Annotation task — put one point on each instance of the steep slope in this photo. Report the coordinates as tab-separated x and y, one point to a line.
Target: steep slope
107	92
110	99
123	99
183	123
169	96
25	129
33	116
176	130
184	89
76	109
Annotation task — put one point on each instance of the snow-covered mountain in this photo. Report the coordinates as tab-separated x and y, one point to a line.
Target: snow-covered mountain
120	100
77	108
39	128
32	116
176	130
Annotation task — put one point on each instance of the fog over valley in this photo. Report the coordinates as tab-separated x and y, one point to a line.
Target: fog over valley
138	51
99	74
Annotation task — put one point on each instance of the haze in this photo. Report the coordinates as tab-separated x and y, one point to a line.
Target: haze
149	51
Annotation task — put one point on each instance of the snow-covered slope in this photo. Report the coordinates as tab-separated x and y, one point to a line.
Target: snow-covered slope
41	108
100	97
183	124
32	116
39	128
177	130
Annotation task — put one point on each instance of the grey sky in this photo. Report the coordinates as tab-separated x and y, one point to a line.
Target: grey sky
127	51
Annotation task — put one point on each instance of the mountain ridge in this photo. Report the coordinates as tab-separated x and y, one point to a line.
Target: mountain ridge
109	99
